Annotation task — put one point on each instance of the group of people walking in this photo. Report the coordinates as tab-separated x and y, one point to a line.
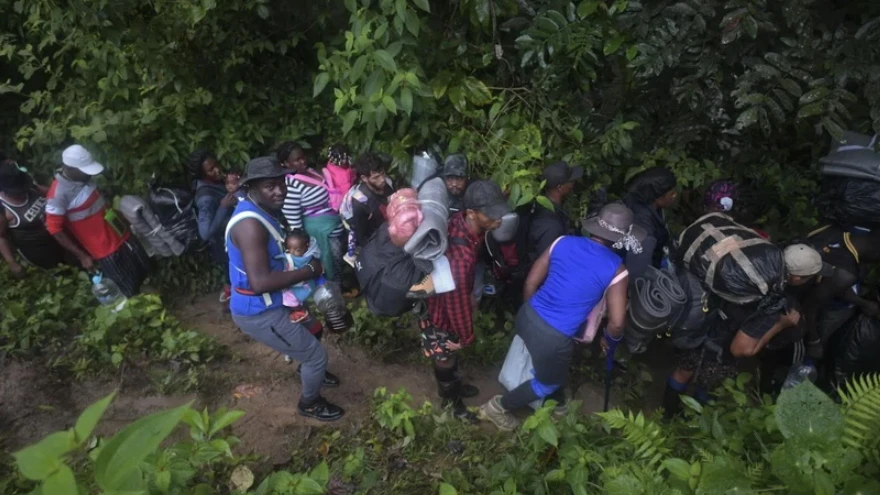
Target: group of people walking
283	227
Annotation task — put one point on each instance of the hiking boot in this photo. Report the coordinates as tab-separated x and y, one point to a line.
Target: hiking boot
321	410
502	419
467	391
330	380
422	290
460	410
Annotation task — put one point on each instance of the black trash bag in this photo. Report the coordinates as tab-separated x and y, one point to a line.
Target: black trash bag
733	261
856	348
175	207
689	331
656	302
385	273
850	201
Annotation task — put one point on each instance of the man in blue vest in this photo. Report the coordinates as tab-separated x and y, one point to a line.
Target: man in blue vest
254	241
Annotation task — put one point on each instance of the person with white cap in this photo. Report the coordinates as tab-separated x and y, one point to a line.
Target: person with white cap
81	221
828	294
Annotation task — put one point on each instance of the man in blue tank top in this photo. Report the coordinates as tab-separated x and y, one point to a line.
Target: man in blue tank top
254	241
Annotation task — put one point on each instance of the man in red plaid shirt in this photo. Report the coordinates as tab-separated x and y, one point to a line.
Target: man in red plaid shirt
449	323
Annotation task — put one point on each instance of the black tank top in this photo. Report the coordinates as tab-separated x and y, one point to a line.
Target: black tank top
28	231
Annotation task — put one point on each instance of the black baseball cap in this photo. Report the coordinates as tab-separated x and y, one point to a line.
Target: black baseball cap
13	178
264	167
455	166
559	173
486	197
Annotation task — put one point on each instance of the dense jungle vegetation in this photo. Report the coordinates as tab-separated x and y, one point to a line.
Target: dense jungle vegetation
749	89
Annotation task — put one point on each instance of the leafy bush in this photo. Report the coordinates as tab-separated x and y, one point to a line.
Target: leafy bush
738	443
53	315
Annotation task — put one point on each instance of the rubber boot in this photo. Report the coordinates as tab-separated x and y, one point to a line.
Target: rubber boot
671	398
450	392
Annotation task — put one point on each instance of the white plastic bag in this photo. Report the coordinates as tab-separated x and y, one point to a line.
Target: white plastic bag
517	368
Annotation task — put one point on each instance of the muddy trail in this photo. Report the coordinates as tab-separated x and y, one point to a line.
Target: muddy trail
256	379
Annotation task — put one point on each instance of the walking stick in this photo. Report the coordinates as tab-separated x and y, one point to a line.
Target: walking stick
609	364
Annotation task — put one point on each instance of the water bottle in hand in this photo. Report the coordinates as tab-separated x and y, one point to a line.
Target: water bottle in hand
107	293
798	374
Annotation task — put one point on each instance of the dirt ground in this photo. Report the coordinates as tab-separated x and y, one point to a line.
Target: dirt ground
34	403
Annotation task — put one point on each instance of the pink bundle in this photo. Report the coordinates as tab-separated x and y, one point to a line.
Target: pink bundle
404	215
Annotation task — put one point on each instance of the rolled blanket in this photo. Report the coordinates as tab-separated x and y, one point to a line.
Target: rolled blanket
148	229
430	239
656	303
404	216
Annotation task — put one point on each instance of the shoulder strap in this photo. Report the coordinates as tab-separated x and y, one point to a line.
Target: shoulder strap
310	180
620	276
554	243
256	216
328	176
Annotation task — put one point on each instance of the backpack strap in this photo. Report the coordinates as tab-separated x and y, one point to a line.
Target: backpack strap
308	179
554	244
276	235
328	177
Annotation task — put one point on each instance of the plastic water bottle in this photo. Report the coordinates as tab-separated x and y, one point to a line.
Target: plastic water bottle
328	298
798	374
107	293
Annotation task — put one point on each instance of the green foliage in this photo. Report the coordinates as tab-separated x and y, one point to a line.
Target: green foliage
861	400
133	461
53	315
745	88
379	336
726	446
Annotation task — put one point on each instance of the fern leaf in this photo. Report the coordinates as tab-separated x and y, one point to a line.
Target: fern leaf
861	411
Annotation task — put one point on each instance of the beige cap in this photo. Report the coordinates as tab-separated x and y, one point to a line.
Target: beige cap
803	261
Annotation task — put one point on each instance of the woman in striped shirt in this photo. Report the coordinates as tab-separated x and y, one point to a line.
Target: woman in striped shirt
307	207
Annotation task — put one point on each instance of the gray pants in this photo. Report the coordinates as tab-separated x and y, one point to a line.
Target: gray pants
274	328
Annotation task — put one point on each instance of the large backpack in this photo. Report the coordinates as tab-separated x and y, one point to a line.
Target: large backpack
732	261
175	208
385	273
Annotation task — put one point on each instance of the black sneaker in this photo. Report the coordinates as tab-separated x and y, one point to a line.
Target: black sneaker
321	410
468	391
461	412
330	380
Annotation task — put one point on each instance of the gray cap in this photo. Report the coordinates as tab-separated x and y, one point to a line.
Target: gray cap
455	166
559	173
613	222
264	167
803	261
486	197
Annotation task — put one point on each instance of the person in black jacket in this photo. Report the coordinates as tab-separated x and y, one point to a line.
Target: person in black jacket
648	194
545	226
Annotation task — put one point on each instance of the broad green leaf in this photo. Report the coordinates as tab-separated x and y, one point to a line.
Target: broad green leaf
320	83
545	202
263	12
163	480
833	128
61	482
587	7
348	121
123	453
385	60
814	95
308	486
89	418
678	468
547	432
747	118
374	83
478	93
632	52
400	8
805	412
351	6
357	69
423	4
321	473
555	475
38	461
447	489
412	23
389	104
225	420
406	100
811	110
613	44
441	83
691	403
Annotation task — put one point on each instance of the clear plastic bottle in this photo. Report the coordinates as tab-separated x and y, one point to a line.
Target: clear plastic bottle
798	374
107	293
328	298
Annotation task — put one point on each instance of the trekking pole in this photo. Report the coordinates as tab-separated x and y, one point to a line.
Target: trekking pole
609	364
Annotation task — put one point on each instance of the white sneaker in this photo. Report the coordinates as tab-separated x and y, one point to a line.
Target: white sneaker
502	419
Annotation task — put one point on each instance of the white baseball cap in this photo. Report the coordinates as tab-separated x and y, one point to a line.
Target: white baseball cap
804	261
79	158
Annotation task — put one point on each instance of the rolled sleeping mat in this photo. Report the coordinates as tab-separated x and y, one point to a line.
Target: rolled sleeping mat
864	162
655	303
430	239
507	231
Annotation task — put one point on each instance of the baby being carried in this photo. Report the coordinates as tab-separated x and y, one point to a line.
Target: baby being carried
300	250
